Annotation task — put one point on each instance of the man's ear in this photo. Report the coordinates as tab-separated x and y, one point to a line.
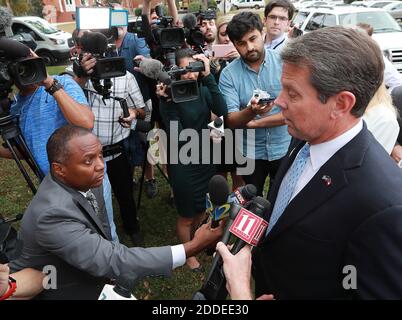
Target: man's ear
58	169
344	102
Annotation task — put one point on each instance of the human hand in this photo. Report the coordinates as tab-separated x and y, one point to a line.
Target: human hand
205	60
396	153
137	59
161	90
204	237
4	273
231	55
126	122
259	108
88	63
237	269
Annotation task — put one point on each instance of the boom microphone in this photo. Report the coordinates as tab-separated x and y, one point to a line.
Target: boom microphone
94	42
12	49
189	21
153	69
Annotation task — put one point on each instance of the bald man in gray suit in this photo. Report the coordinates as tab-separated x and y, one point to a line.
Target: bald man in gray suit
65	226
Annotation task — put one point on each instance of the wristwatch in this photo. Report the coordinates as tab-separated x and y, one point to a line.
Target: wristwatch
56	85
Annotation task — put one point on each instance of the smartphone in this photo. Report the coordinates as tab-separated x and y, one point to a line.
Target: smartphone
263	101
221	50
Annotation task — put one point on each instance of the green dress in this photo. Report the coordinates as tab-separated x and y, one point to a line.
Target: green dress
190	181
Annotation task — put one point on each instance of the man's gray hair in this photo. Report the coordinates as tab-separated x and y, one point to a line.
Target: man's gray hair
339	59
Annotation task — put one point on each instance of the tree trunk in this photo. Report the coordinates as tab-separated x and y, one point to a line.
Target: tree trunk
8	5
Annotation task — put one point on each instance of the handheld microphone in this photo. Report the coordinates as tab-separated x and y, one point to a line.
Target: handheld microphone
218	191
243	195
246	222
249	226
120	291
217	129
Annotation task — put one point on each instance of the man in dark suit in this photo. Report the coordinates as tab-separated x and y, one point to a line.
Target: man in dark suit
335	230
65	226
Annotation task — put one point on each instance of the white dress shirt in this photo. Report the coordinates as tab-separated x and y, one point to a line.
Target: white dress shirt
321	153
178	252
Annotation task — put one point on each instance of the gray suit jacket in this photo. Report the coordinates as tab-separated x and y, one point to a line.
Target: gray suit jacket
61	229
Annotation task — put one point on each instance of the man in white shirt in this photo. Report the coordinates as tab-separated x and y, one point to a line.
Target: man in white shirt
278	15
334	231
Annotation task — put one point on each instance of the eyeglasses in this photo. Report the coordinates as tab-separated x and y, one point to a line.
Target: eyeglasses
274	18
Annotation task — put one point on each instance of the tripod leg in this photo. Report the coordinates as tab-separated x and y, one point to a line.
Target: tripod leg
142	179
20	166
23	148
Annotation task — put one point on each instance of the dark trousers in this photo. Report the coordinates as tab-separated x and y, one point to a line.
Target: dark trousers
120	175
263	168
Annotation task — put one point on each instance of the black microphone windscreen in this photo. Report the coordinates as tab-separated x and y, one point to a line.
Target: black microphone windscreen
249	191
94	42
189	21
5	18
218	190
259	206
218	122
13	49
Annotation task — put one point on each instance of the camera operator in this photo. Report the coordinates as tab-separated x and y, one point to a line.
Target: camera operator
190	181
44	107
112	129
152	13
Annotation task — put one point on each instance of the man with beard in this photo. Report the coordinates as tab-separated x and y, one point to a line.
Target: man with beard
208	28
256	69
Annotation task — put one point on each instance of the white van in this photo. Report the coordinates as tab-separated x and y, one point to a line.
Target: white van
238	4
51	43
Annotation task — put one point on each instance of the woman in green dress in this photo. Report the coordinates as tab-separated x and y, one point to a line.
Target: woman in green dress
190	181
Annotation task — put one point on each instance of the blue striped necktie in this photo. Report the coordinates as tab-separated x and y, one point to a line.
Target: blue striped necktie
288	185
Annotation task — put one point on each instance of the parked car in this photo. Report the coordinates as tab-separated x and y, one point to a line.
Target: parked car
395	10
52	44
387	31
239	4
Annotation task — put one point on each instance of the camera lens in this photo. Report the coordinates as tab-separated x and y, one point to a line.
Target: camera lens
26	72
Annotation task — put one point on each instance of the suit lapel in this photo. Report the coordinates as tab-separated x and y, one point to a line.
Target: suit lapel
92	216
318	190
83	203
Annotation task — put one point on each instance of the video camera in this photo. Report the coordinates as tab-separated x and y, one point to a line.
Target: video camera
16	67
107	66
183	90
